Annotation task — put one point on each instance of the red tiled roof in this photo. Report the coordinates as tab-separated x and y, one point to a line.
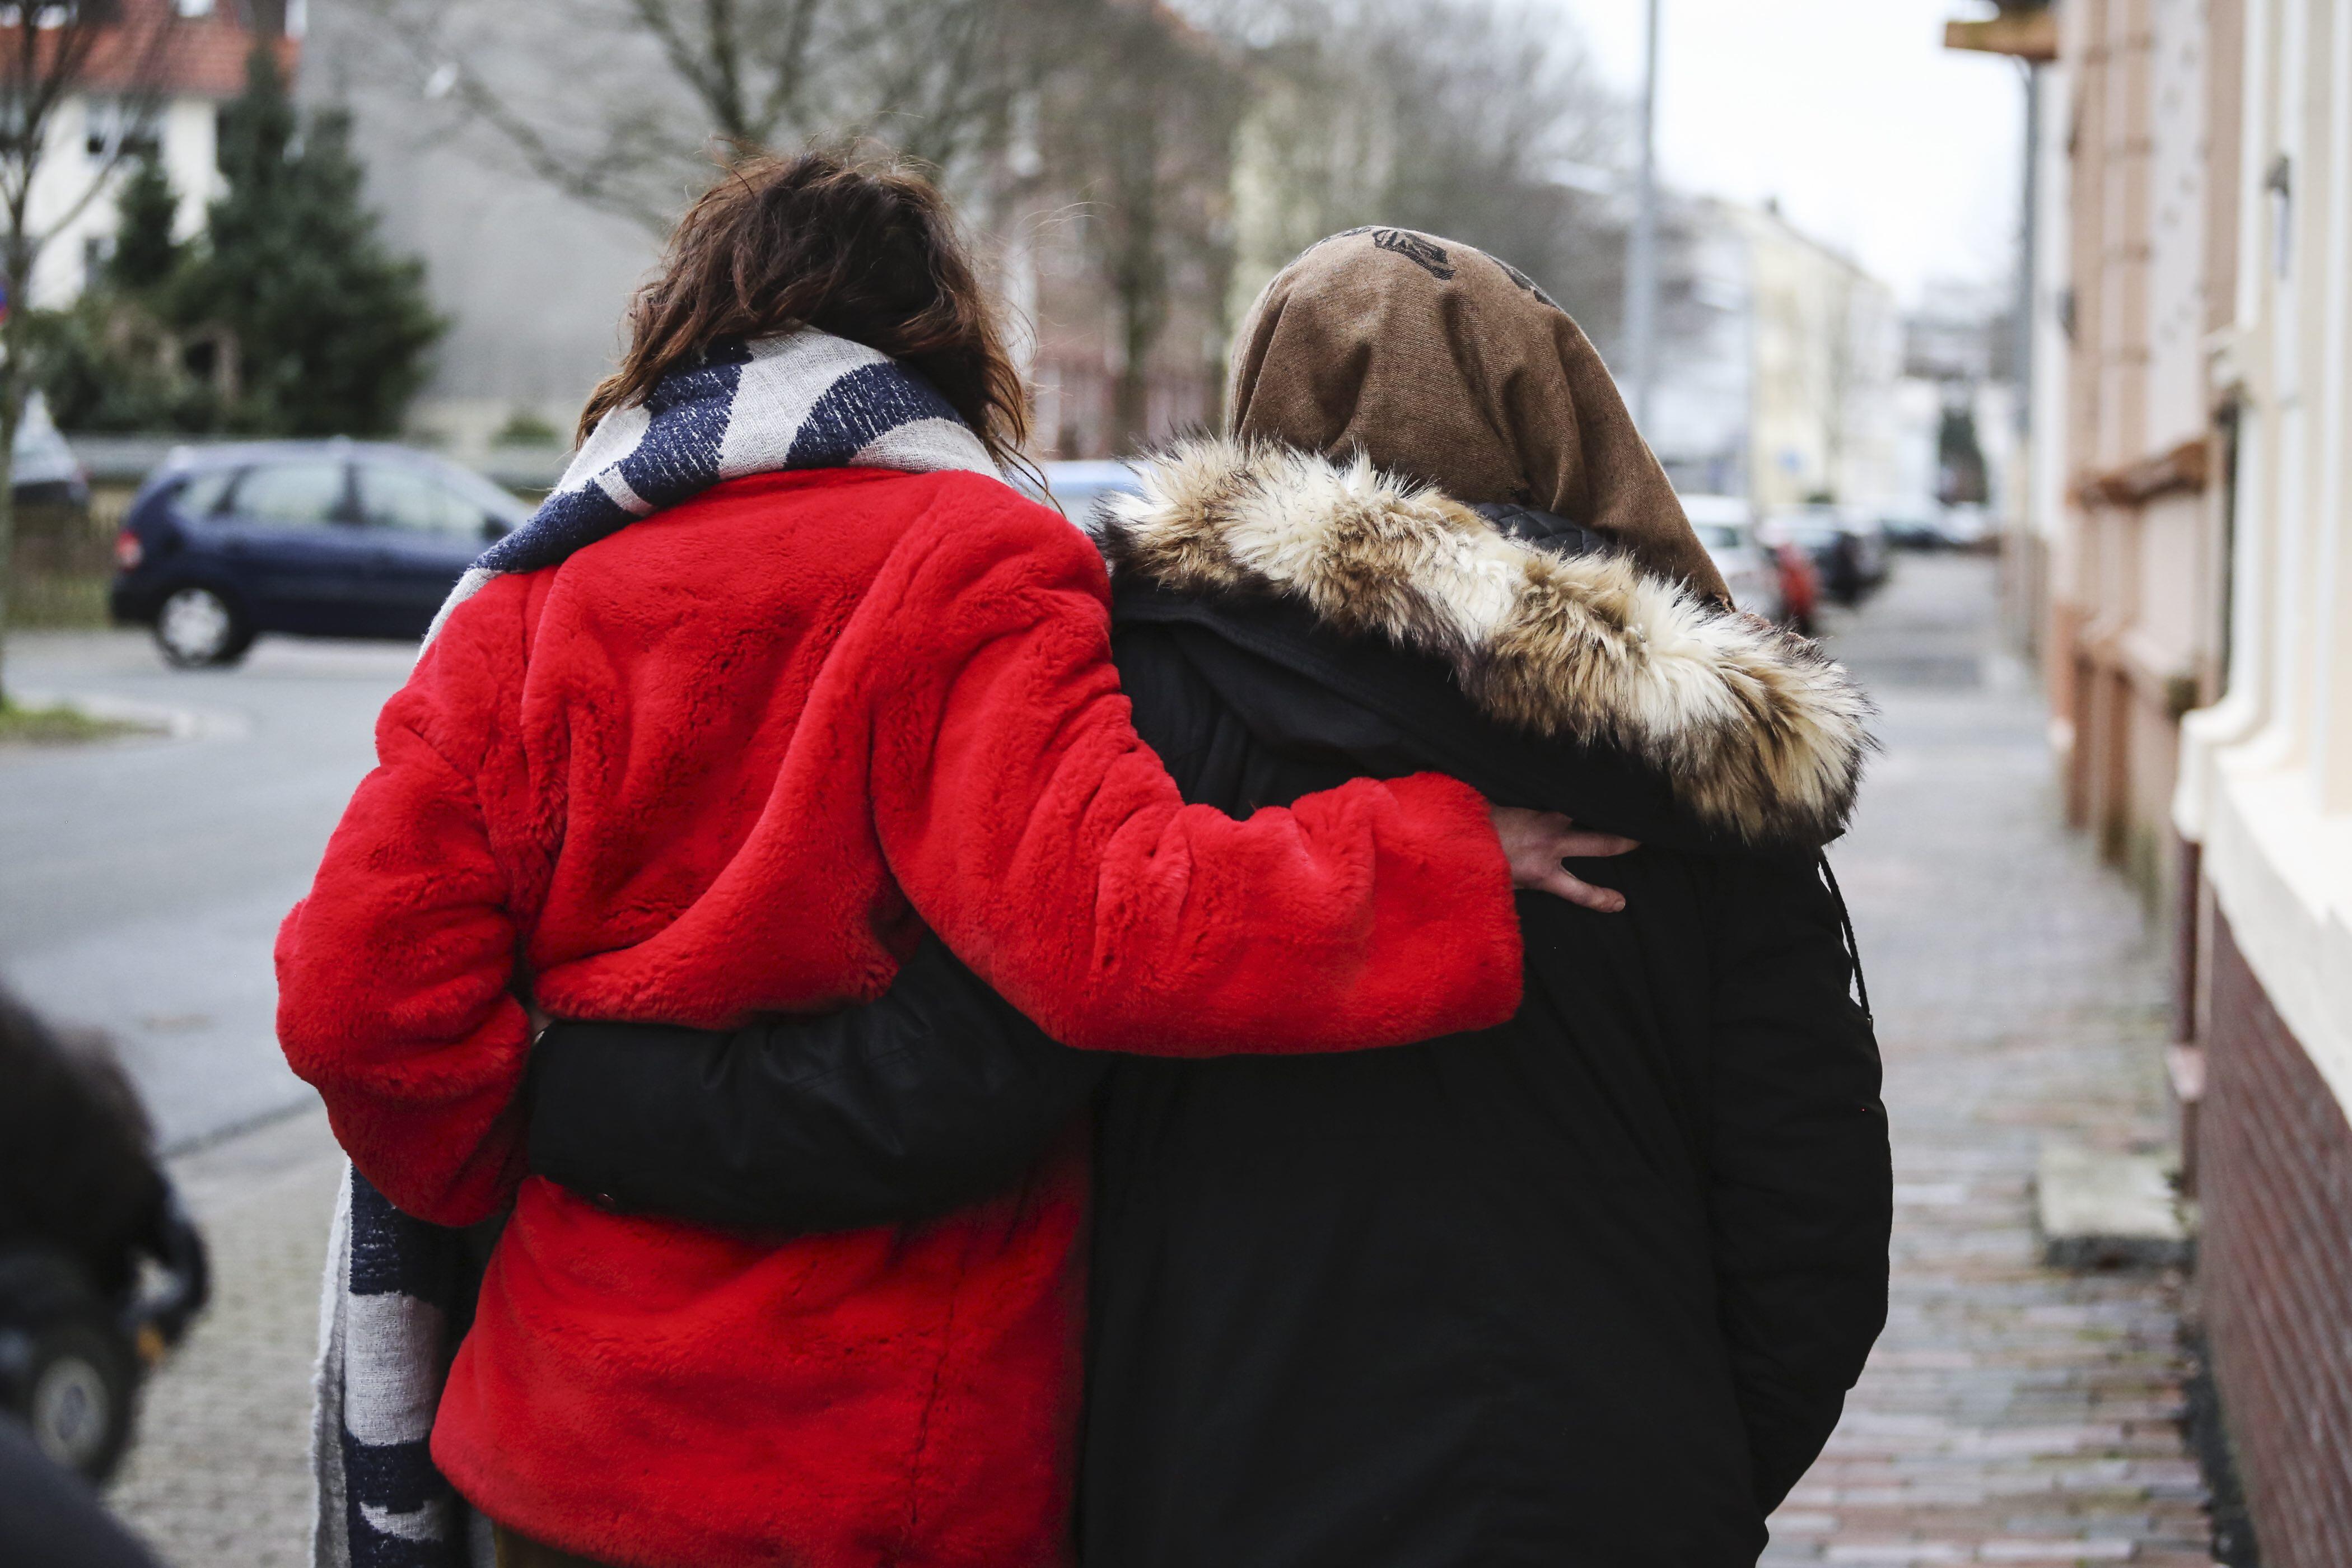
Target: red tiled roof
152	48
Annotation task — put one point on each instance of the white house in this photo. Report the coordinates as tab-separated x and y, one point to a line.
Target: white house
135	90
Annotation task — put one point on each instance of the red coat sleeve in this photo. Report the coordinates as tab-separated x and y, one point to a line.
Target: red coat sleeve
394	978
1038	834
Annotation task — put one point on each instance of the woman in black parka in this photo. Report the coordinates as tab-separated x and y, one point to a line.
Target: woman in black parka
1586	1289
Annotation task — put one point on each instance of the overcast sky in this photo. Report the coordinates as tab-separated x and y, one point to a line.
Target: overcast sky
1873	136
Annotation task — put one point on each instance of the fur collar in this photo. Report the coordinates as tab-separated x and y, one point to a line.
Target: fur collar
1760	735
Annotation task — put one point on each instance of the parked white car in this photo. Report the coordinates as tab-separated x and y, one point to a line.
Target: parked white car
1968	527
1726	526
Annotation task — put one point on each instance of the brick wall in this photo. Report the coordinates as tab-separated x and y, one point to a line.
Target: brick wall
2274	1176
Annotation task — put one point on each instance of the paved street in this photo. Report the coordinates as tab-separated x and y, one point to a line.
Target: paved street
144	879
2012	1414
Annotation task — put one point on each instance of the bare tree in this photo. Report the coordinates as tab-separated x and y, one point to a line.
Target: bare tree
48	55
620	103
1481	120
1138	121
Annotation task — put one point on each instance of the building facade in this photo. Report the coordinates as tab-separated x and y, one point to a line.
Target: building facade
2264	799
2194	498
1784	389
2133	577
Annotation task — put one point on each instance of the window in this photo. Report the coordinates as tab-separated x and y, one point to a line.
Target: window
394	497
292	495
201	496
111	126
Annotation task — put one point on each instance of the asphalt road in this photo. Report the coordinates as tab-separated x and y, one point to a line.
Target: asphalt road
141	881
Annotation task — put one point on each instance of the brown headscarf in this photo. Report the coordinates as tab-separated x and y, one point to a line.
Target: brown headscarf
1443	364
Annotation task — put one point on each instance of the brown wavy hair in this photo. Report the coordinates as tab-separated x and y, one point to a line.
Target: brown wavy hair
860	246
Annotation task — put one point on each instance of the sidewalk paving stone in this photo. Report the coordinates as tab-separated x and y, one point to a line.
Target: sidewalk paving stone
2013	1414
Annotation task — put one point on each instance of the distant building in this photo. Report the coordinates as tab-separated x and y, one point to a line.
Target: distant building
1782	385
131	95
532	283
1702	406
1961	332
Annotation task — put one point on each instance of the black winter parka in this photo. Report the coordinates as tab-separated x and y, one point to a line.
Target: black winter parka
1586	1288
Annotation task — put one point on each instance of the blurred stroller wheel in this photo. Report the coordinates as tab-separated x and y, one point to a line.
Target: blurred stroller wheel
77	1396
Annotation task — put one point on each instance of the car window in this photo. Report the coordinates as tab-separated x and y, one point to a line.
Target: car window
292	495
1718	535
201	496
402	498
487	499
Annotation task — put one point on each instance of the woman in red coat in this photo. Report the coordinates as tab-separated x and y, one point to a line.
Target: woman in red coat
779	676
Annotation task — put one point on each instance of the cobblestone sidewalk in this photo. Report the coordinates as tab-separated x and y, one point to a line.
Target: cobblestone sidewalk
220	1474
2013	1414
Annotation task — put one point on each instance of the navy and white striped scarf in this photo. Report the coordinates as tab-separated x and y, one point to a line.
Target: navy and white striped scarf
397	1289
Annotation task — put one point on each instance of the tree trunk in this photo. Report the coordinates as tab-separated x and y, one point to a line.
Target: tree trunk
12	414
1141	318
1139	278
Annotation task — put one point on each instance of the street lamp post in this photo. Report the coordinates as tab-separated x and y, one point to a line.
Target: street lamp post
1641	248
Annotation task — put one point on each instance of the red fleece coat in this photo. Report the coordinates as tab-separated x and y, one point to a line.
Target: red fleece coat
726	762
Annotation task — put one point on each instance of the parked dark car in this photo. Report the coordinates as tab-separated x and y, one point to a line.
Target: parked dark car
324	538
1913	529
1848	548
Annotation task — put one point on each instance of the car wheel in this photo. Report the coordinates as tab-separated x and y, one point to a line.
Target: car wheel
79	1397
196	627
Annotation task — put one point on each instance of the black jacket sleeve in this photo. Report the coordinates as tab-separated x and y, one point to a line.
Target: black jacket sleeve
936	1095
1801	1188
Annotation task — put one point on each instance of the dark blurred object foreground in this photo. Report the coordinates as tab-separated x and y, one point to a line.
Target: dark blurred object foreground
100	1270
49	1517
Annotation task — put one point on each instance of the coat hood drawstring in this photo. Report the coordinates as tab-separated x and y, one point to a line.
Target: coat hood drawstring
1845	929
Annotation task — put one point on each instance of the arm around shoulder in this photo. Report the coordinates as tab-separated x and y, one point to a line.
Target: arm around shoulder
936	1095
1037	833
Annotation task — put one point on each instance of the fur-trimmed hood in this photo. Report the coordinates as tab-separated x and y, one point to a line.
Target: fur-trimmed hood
1760	735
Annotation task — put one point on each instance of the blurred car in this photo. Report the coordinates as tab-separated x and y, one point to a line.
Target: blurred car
1966	527
1907	529
325	538
45	471
1848	549
1077	489
1800	588
1726	526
